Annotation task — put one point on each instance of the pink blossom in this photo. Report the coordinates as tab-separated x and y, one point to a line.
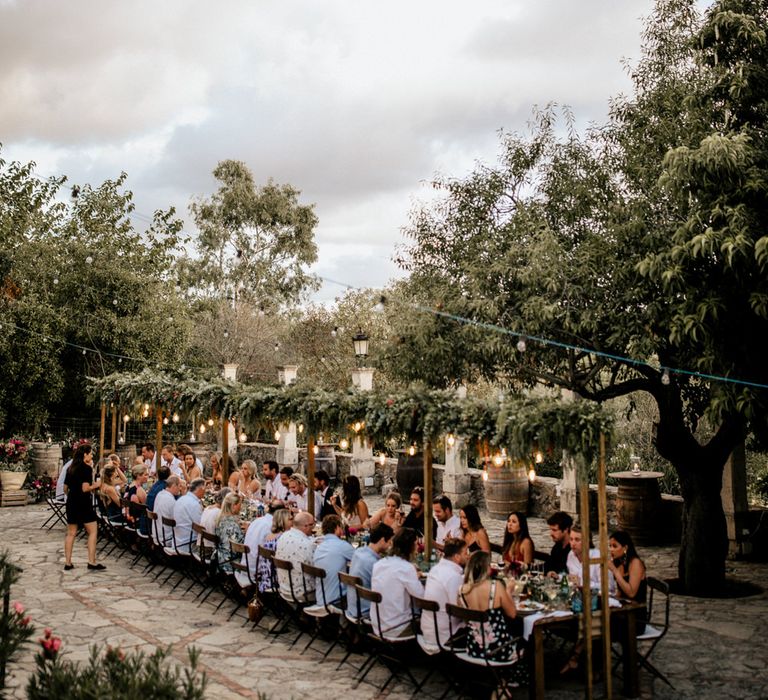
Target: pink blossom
18	607
48	632
56	644
26	620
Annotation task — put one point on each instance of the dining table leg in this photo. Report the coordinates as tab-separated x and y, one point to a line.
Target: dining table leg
536	684
631	671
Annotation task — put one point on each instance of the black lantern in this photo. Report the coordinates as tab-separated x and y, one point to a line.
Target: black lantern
360	342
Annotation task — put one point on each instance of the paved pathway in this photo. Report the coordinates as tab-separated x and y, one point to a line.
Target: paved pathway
716	649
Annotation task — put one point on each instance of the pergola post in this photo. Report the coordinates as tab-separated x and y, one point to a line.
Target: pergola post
228	437
158	436
586	582
311	474
363	465
427	499
287	448
602	511
115	410
103	429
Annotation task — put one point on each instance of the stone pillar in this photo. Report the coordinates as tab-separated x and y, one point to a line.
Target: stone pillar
457	484
363	465
229	371
568	489
735	504
287	449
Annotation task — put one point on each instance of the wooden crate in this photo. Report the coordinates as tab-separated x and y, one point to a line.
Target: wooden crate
13	498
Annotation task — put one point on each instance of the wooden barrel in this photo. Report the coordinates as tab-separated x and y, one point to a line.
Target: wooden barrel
410	472
45	458
638	506
506	489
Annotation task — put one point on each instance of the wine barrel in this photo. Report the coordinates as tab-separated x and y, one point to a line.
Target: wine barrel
46	458
638	508
410	472
506	489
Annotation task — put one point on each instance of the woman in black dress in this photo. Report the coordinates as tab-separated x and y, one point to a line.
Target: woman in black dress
80	485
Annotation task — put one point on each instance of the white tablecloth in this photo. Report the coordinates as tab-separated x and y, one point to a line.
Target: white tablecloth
530	620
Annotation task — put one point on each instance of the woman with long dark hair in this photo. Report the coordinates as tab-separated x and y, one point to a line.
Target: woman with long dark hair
627	568
80	486
517	545
353	509
473	531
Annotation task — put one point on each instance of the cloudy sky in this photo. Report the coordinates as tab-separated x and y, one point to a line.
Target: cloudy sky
357	104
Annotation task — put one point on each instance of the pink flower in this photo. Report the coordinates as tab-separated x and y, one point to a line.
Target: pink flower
47	632
353	531
26	620
18	607
56	645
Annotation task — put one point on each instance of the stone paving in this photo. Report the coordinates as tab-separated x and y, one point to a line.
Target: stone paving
715	649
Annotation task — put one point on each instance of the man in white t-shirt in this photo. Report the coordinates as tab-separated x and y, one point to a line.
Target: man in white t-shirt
443	584
575	557
60	493
273	485
150	458
448	524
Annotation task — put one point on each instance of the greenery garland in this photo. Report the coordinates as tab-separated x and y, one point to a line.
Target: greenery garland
414	414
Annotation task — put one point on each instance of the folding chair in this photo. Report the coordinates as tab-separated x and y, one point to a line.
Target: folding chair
354	616
57	511
655	629
245	580
293	606
390	650
479	619
269	591
321	611
425	613
205	558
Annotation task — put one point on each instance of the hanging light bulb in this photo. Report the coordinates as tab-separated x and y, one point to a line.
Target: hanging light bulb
55	280
382	459
334	331
202	428
175	417
665	377
498	460
277	346
343	443
89	260
114	302
539	456
145	413
412	450
277	436
146	406
531	475
242	437
165	420
210	422
451	439
301	428
521	346
121	439
126	418
357	427
485	475
226	334
316	450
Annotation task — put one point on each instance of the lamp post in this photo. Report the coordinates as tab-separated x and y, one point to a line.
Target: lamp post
360	343
363	465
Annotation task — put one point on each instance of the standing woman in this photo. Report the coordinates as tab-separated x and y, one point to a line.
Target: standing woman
79	484
473	531
518	545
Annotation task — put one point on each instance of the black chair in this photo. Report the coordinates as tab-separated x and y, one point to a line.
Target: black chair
497	669
245	584
292	604
57	510
391	652
354	616
269	592
425	613
322	611
655	629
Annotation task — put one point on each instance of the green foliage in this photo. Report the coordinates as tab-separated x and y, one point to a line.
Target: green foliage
116	675
15	628
254	243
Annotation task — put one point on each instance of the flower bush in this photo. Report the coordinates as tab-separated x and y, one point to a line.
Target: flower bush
14	454
15	625
40	486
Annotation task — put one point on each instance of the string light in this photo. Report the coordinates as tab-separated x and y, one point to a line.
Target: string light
521	346
343	443
301	428
485	475
531	475
165	420
89	260
450	439
277	436
175	417
126	418
412	450
202	428
334	331
210	422
242	437
539	456
316	450
382	459
665	377
498	460
358	426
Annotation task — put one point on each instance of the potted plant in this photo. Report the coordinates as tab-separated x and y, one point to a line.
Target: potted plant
13	463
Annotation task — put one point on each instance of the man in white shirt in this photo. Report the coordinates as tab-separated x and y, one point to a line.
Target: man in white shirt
188	510
443	584
273	489
448	524
171	461
165	502
61	495
575	556
397	580
150	458
297	488
255	536
297	546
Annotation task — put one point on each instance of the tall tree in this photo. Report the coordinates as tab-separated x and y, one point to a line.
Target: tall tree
644	241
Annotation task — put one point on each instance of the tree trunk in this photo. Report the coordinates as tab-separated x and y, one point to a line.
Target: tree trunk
704	542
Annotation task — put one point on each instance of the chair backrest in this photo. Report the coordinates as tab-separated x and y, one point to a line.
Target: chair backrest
268	555
350	582
467	616
155	526
243	550
374	598
656	585
287	566
169	523
421	605
319	574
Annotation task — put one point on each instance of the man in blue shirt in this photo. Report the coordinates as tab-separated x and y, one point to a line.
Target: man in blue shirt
162	475
188	510
332	554
362	565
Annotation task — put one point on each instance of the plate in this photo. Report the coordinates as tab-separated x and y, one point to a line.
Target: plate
527	607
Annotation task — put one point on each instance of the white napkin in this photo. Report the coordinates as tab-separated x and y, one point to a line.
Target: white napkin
530	620
613	603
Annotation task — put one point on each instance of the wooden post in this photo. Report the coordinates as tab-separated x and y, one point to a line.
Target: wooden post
602	510
115	411
158	436
586	587
103	429
311	474
427	500
224	452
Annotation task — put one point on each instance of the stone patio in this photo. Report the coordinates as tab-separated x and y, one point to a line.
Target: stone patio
715	649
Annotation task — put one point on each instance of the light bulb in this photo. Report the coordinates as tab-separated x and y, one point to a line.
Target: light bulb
665	377
242	437
55	280
531	475
277	435
539	457
316	450
334	332
412	450
485	475
121	440
146	406
498	460
521	346
114	302
382	459
357	426
301	428
89	260
277	346
210	422
202	429
126	418
175	417
451	440
165	420
226	334
343	443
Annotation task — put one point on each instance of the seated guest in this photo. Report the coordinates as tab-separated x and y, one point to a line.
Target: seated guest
110	498
214	471
480	592
61	495
627	568
285	474
518	545
472	530
273	486
363	561
228	528
187	510
120	478
171	461
240	479
297	492
150	458
281	520
560	531
576	556
396	579
352	509
323	493
136	492
333	554
191	467
448	524
162	480
390	514
211	513
296	546
443	584
415	518
165	502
